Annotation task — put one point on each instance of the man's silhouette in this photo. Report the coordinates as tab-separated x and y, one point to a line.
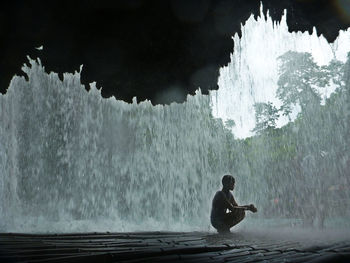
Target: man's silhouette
224	200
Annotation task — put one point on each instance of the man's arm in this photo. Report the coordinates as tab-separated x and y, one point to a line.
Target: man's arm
250	207
231	205
234	204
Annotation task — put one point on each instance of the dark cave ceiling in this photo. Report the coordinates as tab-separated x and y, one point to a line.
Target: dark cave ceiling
144	47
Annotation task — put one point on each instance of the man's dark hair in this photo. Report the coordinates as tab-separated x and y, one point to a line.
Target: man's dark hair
226	179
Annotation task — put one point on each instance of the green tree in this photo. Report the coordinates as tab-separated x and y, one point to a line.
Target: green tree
300	77
333	72
266	115
230	123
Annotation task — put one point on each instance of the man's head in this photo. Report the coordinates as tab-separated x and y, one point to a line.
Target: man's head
228	182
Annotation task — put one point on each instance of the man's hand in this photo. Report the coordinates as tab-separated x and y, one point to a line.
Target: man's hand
252	208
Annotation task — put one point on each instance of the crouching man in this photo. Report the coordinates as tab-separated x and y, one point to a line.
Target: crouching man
224	200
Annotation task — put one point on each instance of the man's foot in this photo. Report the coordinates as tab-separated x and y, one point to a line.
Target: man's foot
224	231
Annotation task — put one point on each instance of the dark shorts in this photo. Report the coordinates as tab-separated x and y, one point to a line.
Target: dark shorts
229	220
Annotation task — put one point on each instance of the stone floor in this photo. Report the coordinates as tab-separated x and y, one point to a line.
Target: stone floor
164	247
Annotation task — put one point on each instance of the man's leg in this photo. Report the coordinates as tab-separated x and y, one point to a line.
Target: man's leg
231	219
234	217
223	230
220	225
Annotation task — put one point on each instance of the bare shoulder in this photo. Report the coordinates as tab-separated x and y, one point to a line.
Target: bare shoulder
219	194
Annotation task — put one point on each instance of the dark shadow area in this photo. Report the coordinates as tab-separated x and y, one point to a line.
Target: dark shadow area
155	49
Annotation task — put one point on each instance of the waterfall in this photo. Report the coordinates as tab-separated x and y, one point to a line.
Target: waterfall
73	161
252	74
